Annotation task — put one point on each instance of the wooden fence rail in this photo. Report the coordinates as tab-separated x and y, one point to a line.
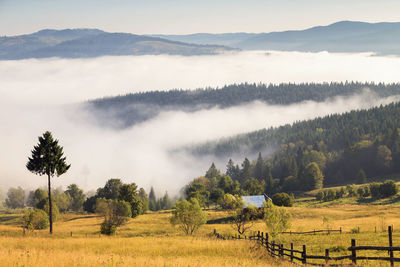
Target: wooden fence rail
278	250
314	232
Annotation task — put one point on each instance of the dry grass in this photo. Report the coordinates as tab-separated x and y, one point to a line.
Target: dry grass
150	240
137	251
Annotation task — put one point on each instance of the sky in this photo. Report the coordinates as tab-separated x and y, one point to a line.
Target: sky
187	16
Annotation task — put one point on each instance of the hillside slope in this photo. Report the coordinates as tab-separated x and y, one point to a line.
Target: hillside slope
82	43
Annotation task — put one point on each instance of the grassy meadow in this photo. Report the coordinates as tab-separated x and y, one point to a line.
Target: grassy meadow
150	240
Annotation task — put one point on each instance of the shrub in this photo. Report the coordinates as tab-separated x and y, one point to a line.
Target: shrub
35	220
351	190
230	202
330	195
188	215
115	212
320	195
276	218
388	188
363	191
360	191
55	210
375	190
282	199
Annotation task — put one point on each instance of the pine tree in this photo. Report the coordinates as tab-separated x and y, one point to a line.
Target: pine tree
152	200
361	177
212	172
269	183
259	168
245	173
48	159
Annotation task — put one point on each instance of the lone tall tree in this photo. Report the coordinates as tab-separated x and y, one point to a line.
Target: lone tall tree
48	159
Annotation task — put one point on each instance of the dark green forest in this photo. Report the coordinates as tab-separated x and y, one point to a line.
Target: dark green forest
333	150
126	110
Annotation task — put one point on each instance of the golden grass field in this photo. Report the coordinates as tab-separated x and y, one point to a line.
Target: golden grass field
150	240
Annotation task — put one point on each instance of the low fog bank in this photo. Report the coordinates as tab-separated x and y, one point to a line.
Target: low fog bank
143	153
40	95
73	80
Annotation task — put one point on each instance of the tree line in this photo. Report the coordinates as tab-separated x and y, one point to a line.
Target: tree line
333	150
133	108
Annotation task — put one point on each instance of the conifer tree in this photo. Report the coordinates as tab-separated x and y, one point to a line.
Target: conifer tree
152	200
259	168
48	159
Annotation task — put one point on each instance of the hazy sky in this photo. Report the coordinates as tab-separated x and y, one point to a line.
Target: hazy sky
187	16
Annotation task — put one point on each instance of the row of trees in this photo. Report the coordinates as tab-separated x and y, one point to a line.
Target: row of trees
71	199
129	108
252	178
375	190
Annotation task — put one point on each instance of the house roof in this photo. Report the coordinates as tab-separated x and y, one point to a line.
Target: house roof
257	200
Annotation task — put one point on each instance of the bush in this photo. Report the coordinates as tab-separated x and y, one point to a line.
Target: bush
55	210
385	189
330	195
351	190
375	190
106	228
320	195
282	199
388	188
188	215
115	212
340	193
35	220
363	191
230	202
276	218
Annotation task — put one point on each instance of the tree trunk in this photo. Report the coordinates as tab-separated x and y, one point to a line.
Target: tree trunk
50	207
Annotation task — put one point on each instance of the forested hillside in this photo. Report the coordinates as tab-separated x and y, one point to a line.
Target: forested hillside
337	149
129	109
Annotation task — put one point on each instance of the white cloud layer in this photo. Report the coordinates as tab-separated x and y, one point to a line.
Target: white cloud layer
34	95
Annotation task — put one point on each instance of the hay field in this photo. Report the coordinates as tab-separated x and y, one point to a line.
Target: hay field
150	240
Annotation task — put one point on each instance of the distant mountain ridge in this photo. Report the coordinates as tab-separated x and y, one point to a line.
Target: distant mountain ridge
344	36
84	43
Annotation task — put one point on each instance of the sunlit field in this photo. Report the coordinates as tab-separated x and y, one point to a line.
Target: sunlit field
146	241
150	240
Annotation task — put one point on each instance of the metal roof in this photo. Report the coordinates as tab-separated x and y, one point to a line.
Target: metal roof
257	200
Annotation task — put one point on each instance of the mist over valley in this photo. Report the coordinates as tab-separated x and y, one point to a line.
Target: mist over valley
142	142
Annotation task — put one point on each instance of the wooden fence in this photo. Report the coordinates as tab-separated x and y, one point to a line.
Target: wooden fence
278	250
314	232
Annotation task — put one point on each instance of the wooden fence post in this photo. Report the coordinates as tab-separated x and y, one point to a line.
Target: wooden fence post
353	251
281	250
390	229
327	256
266	241
273	248
291	252
340	230
215	231
71	233
304	254
262	238
258	235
